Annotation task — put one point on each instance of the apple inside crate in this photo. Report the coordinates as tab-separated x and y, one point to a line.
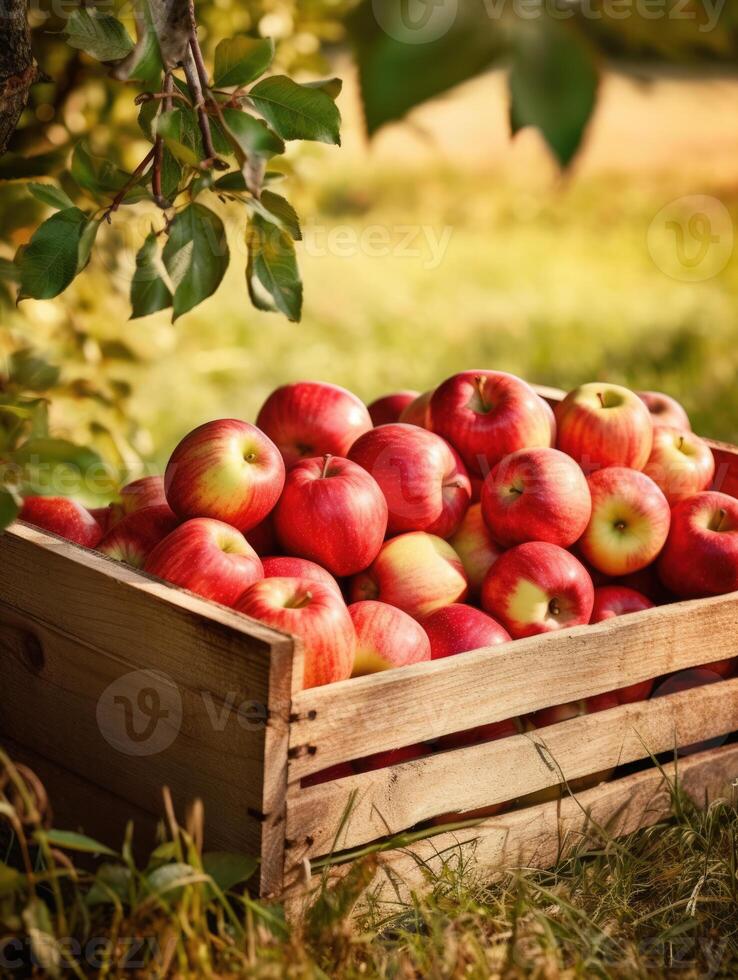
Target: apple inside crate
117	684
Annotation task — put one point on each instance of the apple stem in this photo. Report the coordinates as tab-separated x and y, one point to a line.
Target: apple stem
554	608
601	398
480	381
723	514
620	525
681	443
326	463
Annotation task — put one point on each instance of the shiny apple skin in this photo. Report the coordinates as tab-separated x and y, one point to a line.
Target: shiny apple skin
332	512
484	428
476	548
311	418
616	433
383	411
417	572
681	463
617	600
386	637
629	524
312	612
285	566
226	470
134	537
148	491
458	628
62	516
538	587
208	557
701	554
665	410
418	411
423	479
536	495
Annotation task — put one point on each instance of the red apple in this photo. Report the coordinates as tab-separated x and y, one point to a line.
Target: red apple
616	600
422	478
701	553
536	495
575	709
647	582
227	470
724	668
687	680
107	517
635	692
339	771
392	757
385	637
333	512
146	492
388	409
629	523
473	543
477	482
680	463
64	517
208	557
538	588
665	410
134	538
311	418
262	537
604	425
482	733
486	415
283	566
312	612
417	572
418	411
457	628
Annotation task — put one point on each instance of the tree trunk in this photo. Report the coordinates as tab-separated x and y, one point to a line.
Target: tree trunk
17	67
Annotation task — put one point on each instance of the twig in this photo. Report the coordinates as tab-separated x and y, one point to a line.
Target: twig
167	93
118	199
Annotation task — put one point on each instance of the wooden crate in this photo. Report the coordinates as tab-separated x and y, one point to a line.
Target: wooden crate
115	684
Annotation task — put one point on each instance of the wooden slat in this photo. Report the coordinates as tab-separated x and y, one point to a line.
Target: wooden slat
418	703
390	800
536	837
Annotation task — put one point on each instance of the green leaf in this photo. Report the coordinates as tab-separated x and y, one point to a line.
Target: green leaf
99	176
331	86
297	112
195	256
86	241
272	275
553	86
43	451
144	64
178	128
51	259
149	292
278	209
11	880
53	196
240	60
100	35
171	175
10	505
112	881
28	370
228	870
169	879
68	840
146	116
252	134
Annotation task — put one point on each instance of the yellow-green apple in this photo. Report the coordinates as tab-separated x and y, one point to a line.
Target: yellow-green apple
629	523
332	512
474	545
680	463
422	478
208	557
135	536
417	572
311	418
418	411
392	757
604	425
536	495
617	600
482	733
665	410
312	612
227	470
487	415
148	491
386	637
457	628
701	553
538	587
62	516
339	771
388	409
284	566
262	538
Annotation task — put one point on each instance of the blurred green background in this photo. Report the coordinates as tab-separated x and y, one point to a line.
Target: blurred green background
440	245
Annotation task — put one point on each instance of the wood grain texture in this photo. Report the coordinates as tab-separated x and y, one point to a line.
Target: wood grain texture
423	701
396	798
536	837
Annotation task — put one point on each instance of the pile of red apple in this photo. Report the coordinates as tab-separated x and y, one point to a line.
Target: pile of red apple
428	525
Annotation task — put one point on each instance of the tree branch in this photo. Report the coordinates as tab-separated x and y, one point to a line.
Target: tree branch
18	70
